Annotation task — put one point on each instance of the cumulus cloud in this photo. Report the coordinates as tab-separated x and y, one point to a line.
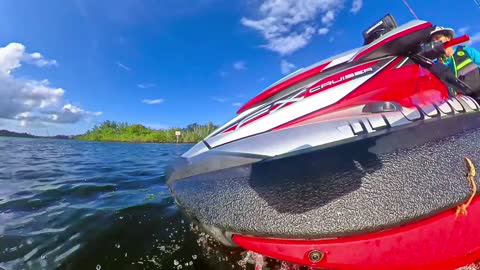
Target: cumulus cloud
288	25
239	65
286	67
356	6
323	31
67	114
152	101
328	17
38	60
32	100
237	104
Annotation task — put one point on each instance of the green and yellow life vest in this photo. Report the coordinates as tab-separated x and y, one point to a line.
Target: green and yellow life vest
465	69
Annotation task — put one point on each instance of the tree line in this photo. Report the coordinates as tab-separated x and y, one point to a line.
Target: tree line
124	132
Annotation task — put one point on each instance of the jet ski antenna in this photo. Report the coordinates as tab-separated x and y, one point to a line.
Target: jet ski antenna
409	8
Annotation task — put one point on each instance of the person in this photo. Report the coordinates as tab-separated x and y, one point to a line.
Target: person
463	61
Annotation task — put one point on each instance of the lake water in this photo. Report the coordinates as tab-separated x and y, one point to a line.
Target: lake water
90	205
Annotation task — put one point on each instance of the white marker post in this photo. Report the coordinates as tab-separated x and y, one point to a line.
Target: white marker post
178	134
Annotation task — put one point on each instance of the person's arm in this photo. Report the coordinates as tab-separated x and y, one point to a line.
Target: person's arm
474	55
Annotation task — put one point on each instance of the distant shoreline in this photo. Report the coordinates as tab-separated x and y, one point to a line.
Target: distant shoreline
111	131
101	141
12	134
139	142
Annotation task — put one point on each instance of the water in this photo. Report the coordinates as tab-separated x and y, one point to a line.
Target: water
90	205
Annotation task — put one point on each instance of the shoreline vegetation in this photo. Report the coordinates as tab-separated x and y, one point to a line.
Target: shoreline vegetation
7	133
111	131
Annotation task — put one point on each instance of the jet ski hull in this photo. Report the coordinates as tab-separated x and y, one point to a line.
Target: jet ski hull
373	181
442	242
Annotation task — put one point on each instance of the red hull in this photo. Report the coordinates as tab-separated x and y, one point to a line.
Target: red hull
443	241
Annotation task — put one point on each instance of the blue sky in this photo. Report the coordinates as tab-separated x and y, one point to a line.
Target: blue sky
68	65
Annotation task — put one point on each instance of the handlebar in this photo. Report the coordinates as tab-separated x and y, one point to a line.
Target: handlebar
435	49
456	41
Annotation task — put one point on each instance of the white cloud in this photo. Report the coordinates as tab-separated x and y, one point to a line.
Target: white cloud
323	31
31	101
10	57
239	65
68	114
331	39
123	66
356	6
237	104
475	38
146	85
328	17
152	101
286	67
463	30
288	44
38	60
288	25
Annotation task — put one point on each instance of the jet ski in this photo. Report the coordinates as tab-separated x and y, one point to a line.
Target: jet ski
360	161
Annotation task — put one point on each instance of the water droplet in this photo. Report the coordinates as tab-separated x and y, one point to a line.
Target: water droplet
194	257
125	254
98	267
175	262
191	263
121	217
179	267
117	245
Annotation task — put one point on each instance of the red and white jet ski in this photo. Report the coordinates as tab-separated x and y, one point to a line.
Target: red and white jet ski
357	162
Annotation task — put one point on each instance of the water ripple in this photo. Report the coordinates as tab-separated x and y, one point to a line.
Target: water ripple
88	205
